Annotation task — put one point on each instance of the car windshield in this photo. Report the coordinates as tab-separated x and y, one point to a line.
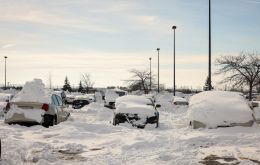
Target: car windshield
120	93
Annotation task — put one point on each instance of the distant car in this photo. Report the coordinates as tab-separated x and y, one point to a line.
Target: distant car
4	102
179	101
111	95
256	109
69	99
90	97
47	114
77	104
136	110
212	109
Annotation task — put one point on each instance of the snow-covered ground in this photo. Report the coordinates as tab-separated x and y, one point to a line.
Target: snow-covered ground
88	137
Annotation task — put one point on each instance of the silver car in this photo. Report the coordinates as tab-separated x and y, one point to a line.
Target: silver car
35	112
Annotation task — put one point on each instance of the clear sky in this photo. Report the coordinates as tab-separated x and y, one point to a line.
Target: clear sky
106	38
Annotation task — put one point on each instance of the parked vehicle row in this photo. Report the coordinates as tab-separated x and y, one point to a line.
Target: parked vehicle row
209	109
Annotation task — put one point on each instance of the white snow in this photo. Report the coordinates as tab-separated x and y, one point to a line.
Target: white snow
86	139
33	91
219	108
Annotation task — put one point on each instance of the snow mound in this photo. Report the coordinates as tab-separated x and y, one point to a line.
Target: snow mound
102	113
33	91
219	108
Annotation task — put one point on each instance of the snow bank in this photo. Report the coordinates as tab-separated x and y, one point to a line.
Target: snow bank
33	91
102	113
219	108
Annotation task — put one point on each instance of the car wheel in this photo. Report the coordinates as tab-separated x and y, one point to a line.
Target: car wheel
115	120
157	124
55	120
49	120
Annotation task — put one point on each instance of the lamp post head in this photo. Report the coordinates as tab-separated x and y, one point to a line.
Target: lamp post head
5	56
174	27
158	49
150	58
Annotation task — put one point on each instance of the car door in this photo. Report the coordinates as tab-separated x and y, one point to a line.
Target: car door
56	108
61	113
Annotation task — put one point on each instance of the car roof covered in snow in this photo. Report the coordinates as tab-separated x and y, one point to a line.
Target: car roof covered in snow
214	108
34	91
135	105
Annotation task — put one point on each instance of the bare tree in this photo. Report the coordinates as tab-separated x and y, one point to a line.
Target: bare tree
140	80
86	82
241	70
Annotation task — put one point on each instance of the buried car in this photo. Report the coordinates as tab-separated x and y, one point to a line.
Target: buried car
179	101
4	102
212	109
136	110
36	105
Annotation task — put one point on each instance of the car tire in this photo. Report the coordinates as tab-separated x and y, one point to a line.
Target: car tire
49	120
157	124
115	120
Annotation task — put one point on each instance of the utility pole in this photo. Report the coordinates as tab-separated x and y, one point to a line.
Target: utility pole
158	49
210	87
5	70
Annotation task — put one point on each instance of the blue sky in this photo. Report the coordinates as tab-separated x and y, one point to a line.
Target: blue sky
106	38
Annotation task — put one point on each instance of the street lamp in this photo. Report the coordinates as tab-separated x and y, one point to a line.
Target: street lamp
5	70
158	49
150	74
210	87
174	27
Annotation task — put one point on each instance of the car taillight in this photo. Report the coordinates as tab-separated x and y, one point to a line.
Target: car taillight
45	107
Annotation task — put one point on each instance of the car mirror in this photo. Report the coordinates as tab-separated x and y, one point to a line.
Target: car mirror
157	105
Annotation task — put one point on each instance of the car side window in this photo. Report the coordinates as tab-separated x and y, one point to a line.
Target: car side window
54	100
59	100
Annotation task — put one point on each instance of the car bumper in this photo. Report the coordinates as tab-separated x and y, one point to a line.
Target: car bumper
20	118
131	118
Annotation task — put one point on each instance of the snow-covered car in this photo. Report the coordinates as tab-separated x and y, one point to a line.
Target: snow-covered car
90	97
212	109
256	108
136	110
4	102
35	104
77	104
111	95
179	101
69	99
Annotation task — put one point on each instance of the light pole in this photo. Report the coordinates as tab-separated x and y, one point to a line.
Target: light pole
210	87
5	70
150	74
174	27
158	50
